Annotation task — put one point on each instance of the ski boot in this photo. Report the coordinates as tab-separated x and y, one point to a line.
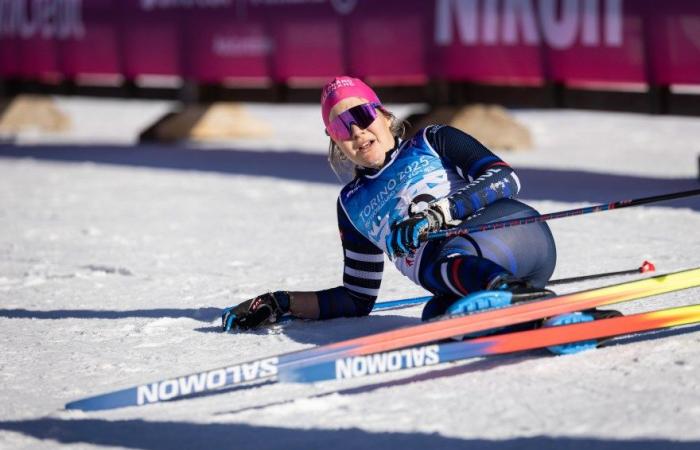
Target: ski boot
502	291
578	317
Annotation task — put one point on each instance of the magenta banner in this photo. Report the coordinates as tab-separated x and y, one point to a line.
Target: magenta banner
487	41
219	49
150	46
390	42
675	43
599	41
308	47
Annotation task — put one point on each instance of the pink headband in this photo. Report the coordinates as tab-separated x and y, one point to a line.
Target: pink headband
341	88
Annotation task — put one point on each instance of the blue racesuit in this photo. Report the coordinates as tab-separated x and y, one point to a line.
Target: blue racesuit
439	161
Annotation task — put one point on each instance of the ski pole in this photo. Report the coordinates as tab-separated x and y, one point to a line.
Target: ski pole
644	268
462	231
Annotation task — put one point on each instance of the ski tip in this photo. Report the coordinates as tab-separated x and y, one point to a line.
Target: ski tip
647	266
113	400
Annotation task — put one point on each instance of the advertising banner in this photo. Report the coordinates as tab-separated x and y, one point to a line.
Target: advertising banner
388	42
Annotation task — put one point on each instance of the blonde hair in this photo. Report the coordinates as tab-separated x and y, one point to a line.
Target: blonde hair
345	169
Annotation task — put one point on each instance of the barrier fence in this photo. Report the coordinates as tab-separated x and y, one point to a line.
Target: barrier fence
515	42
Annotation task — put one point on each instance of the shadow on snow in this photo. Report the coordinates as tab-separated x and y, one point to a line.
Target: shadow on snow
538	184
151	435
342	328
201	314
308	332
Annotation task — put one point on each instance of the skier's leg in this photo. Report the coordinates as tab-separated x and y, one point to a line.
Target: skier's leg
520	260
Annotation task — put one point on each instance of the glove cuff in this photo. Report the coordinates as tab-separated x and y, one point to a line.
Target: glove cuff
283	299
442	207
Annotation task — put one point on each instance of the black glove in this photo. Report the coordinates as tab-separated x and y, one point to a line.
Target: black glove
266	308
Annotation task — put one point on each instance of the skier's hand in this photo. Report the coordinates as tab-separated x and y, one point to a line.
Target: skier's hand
266	308
406	235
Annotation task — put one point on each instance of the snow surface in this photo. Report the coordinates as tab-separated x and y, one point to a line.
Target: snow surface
115	262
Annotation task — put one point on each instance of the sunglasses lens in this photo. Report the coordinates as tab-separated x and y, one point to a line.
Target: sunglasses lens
363	115
337	130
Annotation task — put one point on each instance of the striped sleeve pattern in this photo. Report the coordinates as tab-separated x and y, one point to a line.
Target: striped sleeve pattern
490	178
362	275
363	261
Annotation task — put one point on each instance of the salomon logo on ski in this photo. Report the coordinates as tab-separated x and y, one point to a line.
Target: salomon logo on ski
205	381
360	366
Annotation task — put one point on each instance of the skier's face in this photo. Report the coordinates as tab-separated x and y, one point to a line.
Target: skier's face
365	147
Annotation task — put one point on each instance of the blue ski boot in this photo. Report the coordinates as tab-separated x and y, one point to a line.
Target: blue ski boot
503	291
578	317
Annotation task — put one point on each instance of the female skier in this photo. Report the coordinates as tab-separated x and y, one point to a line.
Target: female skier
401	190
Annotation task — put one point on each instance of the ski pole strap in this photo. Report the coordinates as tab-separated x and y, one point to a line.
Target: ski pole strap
462	231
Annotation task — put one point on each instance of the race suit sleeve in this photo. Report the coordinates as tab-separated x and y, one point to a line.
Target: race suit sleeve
490	178
362	275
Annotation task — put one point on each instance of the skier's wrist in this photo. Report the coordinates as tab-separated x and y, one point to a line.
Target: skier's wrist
443	207
283	300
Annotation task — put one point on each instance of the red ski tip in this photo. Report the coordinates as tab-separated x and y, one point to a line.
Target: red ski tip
647	266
